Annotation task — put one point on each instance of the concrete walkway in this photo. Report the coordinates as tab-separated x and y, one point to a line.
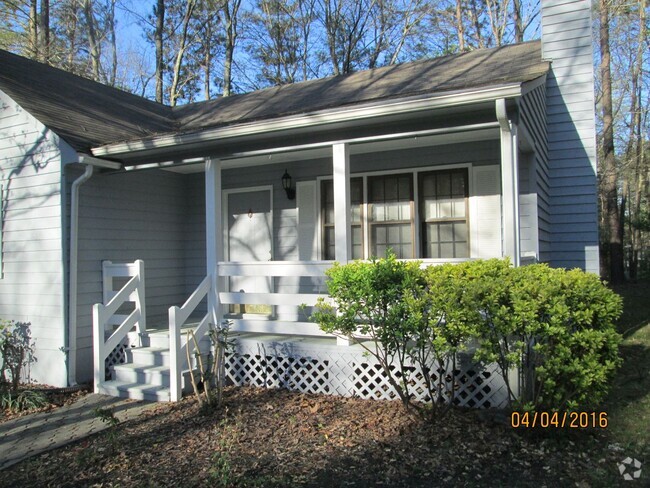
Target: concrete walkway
34	434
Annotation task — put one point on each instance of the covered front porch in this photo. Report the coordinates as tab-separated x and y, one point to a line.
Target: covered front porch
274	219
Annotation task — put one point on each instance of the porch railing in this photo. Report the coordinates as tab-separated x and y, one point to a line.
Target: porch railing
177	350
293	298
107	314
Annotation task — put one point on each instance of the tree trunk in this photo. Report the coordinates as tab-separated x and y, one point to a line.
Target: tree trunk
636	146
95	52
33	29
230	11
460	27
331	20
159	12
45	31
174	94
519	27
610	173
71	33
207	60
110	20
477	25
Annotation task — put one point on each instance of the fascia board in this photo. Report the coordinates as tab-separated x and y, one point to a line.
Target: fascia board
320	118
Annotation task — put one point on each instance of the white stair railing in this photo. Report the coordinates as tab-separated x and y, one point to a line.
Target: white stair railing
106	315
178	352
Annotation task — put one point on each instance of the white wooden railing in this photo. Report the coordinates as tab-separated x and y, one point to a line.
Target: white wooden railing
178	351
274	324
106	314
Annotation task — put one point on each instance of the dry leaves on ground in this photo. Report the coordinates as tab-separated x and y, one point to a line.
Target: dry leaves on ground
266	438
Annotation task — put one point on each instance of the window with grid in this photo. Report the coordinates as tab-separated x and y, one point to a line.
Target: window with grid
356	204
444	214
390	219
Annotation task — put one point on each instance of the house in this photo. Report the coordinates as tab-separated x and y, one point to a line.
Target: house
242	203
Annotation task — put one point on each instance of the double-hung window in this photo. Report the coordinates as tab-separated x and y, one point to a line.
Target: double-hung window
390	215
443	212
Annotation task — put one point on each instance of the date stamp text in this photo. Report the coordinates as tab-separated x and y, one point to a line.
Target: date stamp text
558	420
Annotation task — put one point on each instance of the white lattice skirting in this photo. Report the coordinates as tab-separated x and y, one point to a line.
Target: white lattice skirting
319	366
116	356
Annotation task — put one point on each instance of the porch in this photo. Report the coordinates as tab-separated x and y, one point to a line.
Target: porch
433	195
154	363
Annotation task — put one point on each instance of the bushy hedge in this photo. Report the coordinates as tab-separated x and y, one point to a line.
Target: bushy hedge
553	325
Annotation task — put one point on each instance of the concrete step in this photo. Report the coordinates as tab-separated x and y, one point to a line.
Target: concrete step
150	375
135	391
160	338
141	374
149	356
156	356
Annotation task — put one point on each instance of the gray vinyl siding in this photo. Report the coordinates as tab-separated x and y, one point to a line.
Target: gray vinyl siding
124	217
566	38
32	282
195	256
533	117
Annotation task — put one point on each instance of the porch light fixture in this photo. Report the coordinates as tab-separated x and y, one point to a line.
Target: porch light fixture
287	185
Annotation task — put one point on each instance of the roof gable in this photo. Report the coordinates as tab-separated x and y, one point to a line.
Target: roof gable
83	112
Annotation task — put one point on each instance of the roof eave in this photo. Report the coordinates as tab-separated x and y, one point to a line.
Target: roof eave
357	112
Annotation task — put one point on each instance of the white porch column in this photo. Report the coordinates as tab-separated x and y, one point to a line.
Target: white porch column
509	184
342	233
213	232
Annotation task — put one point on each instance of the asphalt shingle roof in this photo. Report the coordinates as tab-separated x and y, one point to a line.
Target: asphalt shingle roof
88	114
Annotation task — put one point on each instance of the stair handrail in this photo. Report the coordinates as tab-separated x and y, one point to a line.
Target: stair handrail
133	291
178	352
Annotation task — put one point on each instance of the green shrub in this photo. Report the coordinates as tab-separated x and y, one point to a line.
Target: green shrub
447	326
554	326
377	299
576	344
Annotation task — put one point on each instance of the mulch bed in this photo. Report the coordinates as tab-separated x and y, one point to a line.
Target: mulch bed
56	397
263	438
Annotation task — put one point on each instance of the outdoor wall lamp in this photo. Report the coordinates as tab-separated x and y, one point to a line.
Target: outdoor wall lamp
288	186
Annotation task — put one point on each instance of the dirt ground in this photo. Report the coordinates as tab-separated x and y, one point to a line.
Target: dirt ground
263	438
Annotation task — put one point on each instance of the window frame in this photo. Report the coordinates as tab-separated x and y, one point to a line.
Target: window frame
323	224
442	220
385	223
415	174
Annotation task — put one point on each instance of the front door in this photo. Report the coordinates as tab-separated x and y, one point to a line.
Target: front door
250	239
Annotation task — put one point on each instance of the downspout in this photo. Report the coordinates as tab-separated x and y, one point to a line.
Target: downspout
509	182
90	163
74	252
